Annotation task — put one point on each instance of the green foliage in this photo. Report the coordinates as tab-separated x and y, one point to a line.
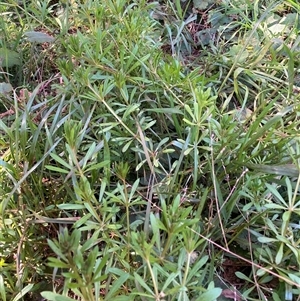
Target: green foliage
144	145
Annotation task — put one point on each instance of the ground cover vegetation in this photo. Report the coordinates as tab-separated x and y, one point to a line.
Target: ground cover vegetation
149	150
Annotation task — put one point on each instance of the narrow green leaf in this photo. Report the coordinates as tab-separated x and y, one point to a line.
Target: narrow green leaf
197	267
55	297
166	110
23	292
97	166
57	169
243	277
8	166
57	263
2	288
290	191
261	131
279	254
100	264
92	211
275	192
274	206
260	272
116	285
210	295
124	298
72	153
56	250
61	161
134	188
294	278
70	206
131	109
126	146
286	216
88	155
289	170
161	225
4	128
275	297
141	281
263	239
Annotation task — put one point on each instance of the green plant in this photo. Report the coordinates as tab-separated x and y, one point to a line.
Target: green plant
144	146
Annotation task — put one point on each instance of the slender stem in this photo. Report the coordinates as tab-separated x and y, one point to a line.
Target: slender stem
127	204
167	245
153	279
186	268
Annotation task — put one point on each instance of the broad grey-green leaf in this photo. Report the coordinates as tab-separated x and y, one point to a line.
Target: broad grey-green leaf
202	4
217	19
5	88
55	297
38	37
9	58
243	114
277	28
211	294
290	19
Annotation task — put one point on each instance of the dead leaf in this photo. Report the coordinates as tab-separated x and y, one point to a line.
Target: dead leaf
231	294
